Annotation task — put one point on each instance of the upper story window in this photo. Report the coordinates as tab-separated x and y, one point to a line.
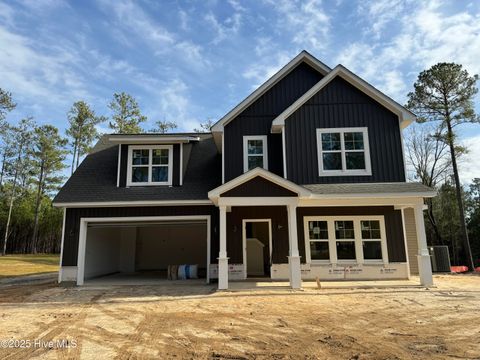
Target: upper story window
343	151
255	152
149	165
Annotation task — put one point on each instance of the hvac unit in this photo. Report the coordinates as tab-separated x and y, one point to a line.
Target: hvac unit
440	258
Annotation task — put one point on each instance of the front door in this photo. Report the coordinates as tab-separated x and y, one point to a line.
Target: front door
257	240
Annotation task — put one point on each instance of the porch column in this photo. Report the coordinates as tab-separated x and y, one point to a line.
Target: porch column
294	257
424	264
222	256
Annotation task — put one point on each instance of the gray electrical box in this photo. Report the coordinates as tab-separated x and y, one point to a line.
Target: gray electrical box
440	258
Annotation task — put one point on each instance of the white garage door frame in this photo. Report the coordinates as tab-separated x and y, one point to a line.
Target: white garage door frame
82	241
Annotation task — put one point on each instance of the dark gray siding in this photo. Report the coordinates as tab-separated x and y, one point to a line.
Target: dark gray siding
72	223
176	165
278	214
259	186
393	226
257	120
123	166
340	104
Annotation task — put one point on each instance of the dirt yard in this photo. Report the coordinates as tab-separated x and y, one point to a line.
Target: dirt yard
197	322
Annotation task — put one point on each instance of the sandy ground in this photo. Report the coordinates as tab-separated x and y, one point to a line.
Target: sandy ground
197	322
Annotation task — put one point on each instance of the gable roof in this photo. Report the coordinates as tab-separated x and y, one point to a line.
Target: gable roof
304	56
405	116
249	175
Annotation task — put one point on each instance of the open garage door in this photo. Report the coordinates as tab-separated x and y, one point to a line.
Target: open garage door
143	248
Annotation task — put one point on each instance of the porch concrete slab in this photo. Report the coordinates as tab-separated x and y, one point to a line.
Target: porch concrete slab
135	279
282	285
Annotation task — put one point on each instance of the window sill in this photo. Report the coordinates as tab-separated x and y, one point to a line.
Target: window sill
344	173
148	184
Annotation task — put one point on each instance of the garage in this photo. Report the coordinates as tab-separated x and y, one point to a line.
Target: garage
141	249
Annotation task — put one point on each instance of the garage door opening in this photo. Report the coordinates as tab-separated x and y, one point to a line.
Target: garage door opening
143	250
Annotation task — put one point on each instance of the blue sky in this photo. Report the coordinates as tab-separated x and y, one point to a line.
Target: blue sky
188	61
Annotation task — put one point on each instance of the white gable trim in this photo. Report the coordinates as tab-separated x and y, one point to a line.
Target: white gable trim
405	116
287	184
303	56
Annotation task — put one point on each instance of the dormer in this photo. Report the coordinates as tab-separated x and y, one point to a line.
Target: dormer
152	159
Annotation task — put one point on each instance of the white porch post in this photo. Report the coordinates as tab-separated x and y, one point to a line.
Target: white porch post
424	264
222	256
294	257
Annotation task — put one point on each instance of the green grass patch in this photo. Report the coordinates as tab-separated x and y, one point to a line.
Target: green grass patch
21	265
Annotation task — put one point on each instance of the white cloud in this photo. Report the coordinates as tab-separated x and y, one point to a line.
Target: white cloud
380	13
262	69
224	29
32	74
307	22
426	36
132	18
184	19
469	167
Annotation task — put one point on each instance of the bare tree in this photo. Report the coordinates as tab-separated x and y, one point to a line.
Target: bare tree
429	158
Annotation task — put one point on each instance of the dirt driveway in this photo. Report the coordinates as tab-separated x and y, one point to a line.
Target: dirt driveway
197	322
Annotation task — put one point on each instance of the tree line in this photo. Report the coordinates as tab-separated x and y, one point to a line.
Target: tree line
34	160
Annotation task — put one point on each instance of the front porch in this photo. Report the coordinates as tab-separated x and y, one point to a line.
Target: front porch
340	247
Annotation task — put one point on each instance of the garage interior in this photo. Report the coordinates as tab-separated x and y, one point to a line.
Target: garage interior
143	250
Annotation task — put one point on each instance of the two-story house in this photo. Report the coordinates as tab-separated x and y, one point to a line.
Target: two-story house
305	178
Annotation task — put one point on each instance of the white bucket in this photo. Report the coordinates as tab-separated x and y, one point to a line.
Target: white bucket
188	272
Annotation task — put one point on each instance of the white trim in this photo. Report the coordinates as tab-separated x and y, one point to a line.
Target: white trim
150	165
344	171
119	164
62	244
133	203
264	153
362	201
181	164
405	116
83	235
405	240
358	240
284	154
303	56
257	201
244	242
402	141
151	139
287	184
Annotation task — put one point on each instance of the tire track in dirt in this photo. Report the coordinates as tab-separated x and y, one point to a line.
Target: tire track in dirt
57	327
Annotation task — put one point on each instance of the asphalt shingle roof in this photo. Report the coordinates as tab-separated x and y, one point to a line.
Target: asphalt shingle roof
369	188
95	180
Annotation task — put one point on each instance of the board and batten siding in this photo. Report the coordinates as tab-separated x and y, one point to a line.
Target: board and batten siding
412	244
175	170
257	120
339	105
279	217
393	226
73	216
259	187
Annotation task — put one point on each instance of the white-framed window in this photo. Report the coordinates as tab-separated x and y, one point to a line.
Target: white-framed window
343	151
255	153
345	239
149	165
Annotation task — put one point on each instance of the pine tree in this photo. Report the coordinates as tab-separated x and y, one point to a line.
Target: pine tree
82	130
126	117
48	154
444	93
